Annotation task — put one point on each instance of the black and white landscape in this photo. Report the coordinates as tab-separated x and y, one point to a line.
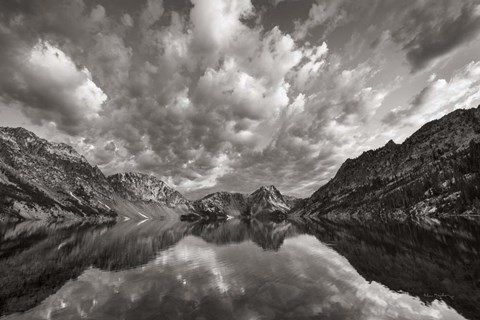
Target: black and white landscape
433	173
239	159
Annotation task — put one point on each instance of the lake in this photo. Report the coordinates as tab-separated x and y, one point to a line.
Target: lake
241	269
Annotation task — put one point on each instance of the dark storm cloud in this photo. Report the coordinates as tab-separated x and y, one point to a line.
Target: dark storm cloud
425	30
432	29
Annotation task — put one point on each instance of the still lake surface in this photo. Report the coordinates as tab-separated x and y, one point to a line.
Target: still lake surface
241	269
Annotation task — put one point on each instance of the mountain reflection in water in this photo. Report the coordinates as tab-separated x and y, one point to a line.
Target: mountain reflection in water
241	269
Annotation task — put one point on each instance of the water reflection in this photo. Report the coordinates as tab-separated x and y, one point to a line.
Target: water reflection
237	270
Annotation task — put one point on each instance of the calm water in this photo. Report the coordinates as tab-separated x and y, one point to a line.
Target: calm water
241	270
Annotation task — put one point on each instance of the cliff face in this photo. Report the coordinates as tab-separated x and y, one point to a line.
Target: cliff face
41	180
134	186
435	171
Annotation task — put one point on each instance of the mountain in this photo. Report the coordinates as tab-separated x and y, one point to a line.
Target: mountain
142	196
45	180
265	200
222	203
42	180
134	186
436	171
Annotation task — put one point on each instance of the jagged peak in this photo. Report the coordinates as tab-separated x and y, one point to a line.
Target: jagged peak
390	144
266	189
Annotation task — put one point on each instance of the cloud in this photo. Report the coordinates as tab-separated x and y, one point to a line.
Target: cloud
212	95
440	96
52	88
309	69
326	13
98	14
206	101
275	56
202	107
110	61
430	30
151	13
127	20
426	31
216	25
240	93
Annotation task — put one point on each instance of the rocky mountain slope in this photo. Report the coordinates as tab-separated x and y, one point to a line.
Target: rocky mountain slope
142	196
436	171
134	186
41	180
222	203
266	200
44	180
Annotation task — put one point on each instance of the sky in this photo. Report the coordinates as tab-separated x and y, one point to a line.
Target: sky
213	95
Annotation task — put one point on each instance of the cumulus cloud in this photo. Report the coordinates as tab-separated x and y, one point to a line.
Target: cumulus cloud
52	88
216	25
314	62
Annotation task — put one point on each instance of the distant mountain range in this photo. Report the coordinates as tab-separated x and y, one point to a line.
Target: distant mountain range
44	180
436	171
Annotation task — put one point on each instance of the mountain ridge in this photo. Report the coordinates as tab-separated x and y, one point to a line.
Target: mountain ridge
36	179
266	200
432	172
45	180
135	186
435	171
